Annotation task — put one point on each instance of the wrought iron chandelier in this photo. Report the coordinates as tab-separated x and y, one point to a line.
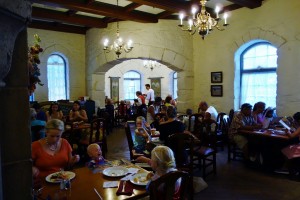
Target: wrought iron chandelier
151	64
202	21
118	45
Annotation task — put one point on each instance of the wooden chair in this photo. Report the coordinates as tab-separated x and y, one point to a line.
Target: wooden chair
195	121
205	156
163	188
120	114
97	134
182	145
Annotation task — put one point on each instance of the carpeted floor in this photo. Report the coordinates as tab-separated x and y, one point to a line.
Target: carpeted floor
233	181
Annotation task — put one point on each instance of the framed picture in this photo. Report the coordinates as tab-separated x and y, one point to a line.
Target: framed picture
216	90
114	88
216	77
156	86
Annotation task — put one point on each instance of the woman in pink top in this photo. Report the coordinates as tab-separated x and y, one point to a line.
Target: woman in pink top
52	153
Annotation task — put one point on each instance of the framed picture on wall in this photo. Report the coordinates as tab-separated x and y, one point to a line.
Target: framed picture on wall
216	77
114	88
216	90
156	86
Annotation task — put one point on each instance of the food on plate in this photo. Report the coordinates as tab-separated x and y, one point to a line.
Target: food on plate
59	176
141	178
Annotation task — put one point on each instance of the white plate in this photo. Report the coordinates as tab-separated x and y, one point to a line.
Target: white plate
67	175
115	171
139	179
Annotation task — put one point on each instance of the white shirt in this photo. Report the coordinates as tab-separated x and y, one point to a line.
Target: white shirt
150	95
213	112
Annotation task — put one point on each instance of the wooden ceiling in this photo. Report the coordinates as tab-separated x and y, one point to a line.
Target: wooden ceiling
77	16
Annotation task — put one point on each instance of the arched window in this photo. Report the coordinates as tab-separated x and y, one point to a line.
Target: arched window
57	78
258	74
132	83
175	82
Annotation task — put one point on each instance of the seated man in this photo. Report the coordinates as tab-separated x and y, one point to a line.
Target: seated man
209	112
243	120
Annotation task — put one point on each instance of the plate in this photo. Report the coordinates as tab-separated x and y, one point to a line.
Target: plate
140	179
58	176
115	171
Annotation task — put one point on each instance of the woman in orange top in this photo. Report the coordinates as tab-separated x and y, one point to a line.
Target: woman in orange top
52	153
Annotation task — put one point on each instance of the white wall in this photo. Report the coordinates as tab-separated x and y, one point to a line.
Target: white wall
275	21
146	73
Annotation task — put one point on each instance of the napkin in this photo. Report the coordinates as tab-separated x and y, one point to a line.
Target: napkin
110	184
127	190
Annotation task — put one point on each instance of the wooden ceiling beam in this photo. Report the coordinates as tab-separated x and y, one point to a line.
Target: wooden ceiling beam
57	27
131	7
173	6
45	14
101	9
248	3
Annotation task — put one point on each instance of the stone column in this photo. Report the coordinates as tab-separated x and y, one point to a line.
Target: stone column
15	142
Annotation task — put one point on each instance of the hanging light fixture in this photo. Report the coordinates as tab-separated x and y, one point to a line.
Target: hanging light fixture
202	21
118	45
151	64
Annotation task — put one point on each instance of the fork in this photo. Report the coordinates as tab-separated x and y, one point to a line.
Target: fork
123	189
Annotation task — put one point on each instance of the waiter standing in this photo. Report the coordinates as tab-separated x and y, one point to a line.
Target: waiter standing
150	94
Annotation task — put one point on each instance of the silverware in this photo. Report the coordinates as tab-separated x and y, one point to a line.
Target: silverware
124	184
98	193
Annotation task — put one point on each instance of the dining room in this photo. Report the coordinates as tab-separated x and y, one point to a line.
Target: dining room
193	59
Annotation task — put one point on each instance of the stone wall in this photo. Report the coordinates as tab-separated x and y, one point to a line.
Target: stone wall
72	48
276	22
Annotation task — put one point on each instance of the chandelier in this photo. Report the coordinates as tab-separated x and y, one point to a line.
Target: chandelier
151	64
202	22
118	45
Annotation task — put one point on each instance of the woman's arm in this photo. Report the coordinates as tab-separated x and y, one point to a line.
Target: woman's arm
83	116
48	116
296	133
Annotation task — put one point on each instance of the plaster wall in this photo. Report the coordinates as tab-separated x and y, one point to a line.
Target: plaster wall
119	70
162	41
69	46
216	53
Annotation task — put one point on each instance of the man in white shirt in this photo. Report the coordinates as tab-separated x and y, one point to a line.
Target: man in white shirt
150	94
209	112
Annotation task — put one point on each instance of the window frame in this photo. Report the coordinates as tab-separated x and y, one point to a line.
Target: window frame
251	71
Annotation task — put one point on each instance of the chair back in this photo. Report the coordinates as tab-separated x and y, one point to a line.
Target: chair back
208	133
130	131
182	145
89	106
231	114
98	134
195	121
173	185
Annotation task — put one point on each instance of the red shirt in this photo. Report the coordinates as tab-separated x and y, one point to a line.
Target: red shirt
47	163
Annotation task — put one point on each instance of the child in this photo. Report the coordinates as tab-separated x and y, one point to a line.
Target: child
95	153
162	162
141	136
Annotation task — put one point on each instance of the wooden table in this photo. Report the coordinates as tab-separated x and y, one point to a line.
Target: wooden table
270	133
82	187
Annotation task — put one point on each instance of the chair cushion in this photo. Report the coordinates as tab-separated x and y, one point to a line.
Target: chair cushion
205	151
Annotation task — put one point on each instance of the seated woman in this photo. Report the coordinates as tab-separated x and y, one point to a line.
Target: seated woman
170	126
77	113
54	112
292	152
162	162
257	113
52	153
141	136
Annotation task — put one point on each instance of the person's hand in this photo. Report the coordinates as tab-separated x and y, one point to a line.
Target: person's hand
76	158
142	159
35	172
147	124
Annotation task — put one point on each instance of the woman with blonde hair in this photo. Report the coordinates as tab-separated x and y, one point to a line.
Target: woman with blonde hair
52	153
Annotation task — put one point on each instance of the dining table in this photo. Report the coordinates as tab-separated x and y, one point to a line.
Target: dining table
267	143
88	184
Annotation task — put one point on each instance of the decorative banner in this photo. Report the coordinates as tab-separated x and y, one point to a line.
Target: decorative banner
156	86
114	88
